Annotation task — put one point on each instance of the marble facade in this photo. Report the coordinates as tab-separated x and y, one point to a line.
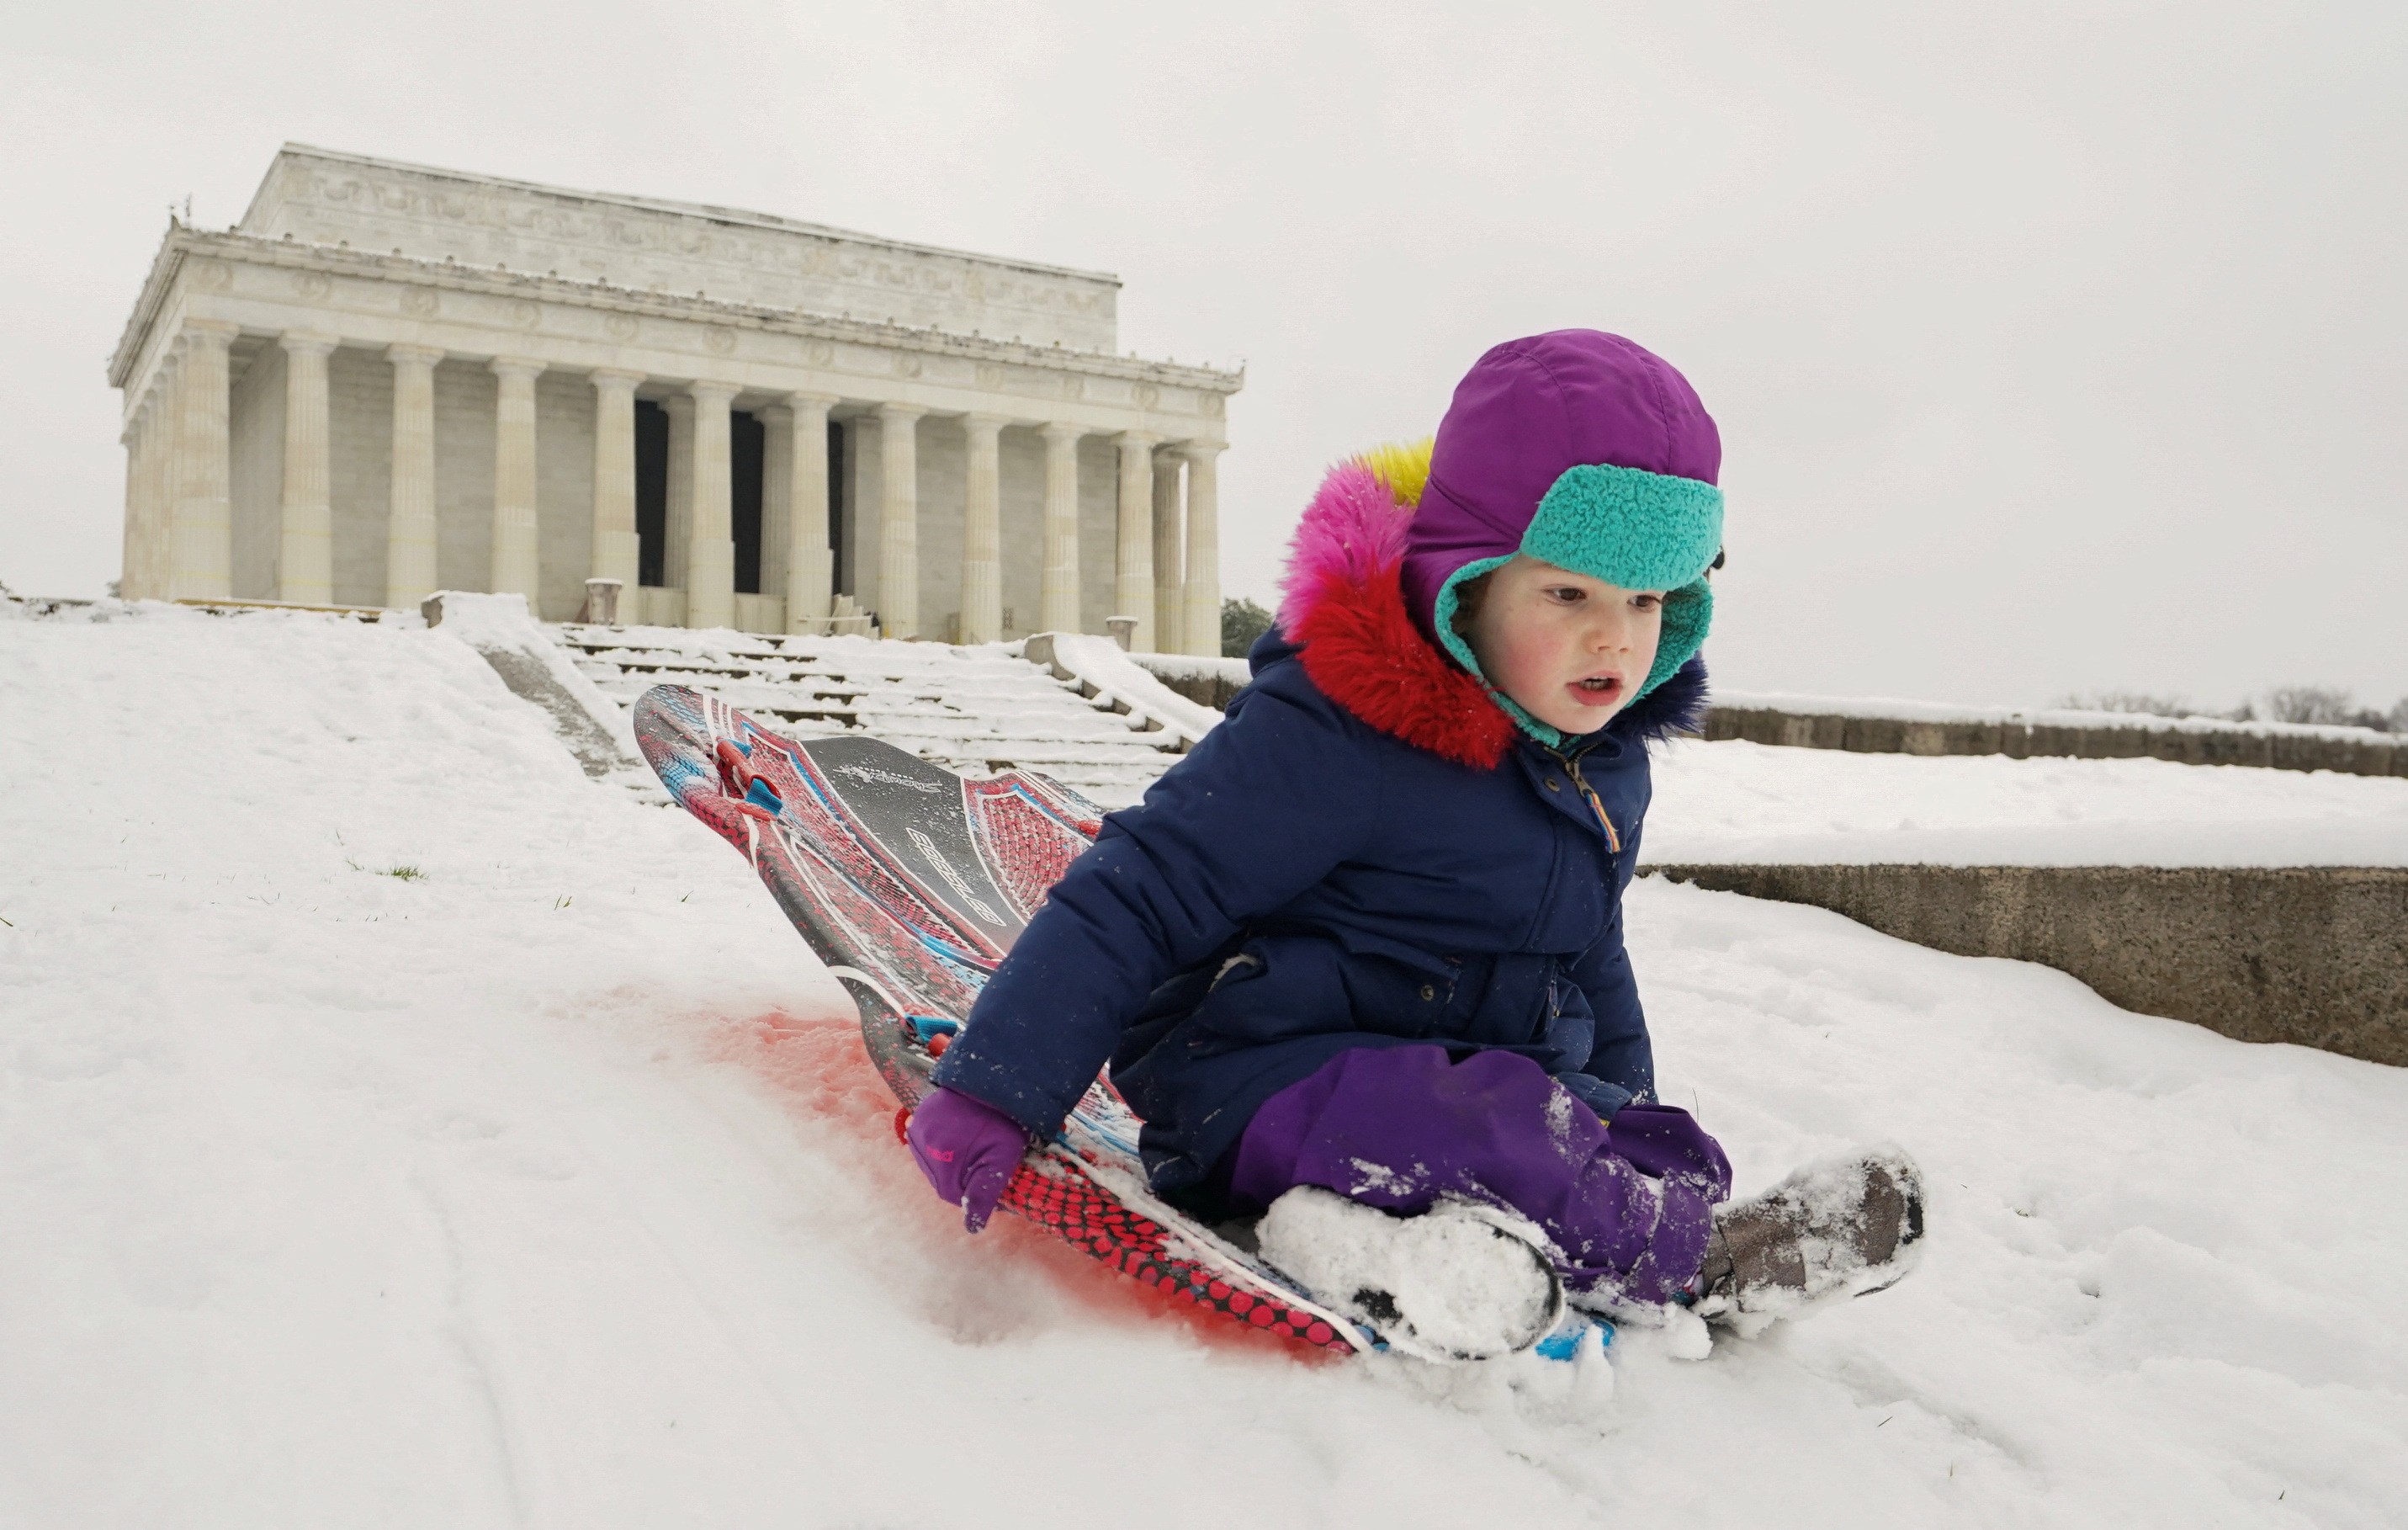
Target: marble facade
388	380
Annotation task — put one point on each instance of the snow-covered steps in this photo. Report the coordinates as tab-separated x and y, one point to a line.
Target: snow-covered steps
975	709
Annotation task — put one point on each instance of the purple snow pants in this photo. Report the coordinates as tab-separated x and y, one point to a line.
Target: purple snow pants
1629	1205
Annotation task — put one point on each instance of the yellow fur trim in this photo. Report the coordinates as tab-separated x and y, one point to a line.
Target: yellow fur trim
1402	466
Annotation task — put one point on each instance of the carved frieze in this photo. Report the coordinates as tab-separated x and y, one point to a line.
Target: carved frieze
675	249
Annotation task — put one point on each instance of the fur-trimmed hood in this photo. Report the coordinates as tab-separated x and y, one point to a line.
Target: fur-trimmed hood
1343	604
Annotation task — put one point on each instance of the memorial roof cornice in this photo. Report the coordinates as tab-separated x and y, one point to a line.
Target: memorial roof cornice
732	217
182	241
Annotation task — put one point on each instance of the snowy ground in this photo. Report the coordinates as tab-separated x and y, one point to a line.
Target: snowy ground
1734	801
546	1186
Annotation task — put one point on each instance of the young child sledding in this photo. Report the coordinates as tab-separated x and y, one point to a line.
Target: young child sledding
1358	960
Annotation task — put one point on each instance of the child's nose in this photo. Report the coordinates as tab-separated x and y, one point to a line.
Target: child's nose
1611	632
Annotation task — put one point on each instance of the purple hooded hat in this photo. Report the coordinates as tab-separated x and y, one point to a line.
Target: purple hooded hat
1585	451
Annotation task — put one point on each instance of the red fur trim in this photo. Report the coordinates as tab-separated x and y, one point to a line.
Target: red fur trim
1344	603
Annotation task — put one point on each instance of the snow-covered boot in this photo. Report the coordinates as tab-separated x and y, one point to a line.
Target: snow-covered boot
1460	1281
1844	1227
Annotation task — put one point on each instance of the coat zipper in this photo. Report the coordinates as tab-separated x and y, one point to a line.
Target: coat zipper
1571	768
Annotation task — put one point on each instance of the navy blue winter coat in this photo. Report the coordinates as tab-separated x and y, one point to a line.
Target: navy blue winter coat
1304	882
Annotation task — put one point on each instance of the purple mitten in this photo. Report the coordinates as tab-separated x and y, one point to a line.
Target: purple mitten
969	1150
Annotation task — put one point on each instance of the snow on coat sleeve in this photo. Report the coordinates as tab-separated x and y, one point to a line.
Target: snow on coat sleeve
1266	805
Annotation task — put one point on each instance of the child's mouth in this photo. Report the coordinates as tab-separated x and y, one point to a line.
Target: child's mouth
1597	690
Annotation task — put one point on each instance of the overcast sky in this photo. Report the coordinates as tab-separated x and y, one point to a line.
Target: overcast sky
2055	347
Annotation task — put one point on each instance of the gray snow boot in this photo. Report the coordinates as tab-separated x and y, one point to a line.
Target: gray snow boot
1847	1226
1460	1281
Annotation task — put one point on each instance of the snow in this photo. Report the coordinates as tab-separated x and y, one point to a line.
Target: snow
548	1186
1236	671
1738	802
1907	710
1466	1279
1102	663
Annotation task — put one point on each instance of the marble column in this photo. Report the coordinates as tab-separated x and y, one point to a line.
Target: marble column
1169	598
1203	584
147	562
139	579
1058	609
810	566
982	531
515	549
711	552
204	534
677	533
166	476
305	548
617	549
159	508
129	555
898	514
1133	586
409	536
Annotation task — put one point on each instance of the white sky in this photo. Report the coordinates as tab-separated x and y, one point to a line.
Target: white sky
2055	347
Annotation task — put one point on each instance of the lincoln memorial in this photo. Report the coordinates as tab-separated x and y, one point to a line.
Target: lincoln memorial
388	380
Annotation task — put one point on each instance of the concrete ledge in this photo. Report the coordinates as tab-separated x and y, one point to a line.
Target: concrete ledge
2348	751
2312	955
1206	682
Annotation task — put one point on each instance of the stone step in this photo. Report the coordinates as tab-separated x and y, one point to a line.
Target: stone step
978	709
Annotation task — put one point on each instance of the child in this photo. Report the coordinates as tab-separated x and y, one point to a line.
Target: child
1362	949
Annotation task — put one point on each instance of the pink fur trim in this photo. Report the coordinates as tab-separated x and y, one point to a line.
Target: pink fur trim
1343	601
1352	531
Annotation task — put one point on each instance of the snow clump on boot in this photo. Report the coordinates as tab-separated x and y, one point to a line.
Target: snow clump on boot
1847	1226
1460	1281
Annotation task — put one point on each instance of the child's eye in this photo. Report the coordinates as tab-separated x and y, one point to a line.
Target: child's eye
1566	595
1648	602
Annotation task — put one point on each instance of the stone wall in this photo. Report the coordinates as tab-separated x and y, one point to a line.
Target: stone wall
2293	749
2317	955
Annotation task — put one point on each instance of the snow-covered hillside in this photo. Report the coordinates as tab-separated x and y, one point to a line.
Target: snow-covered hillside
397	1128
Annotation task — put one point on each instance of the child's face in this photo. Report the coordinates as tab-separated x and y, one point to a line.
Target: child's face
1567	648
